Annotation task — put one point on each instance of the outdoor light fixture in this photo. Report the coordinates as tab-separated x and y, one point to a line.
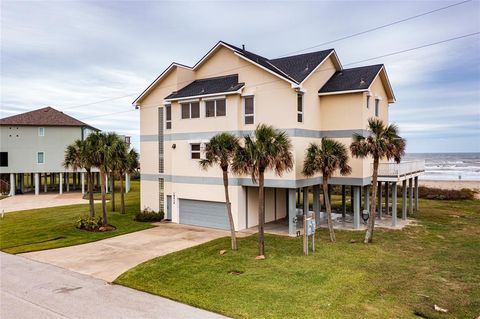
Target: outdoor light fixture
174	146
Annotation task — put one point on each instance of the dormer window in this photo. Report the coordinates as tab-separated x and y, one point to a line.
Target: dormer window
300	107
190	110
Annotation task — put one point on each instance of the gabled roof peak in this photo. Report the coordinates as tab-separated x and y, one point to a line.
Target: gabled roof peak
46	116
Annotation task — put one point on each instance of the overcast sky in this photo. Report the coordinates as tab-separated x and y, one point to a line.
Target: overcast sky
69	55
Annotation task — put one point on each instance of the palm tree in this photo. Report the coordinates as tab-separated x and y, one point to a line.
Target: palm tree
117	159
267	149
220	151
130	166
326	158
103	151
78	156
383	142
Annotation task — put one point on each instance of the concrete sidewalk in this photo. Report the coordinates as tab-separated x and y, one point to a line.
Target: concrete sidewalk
30	289
107	259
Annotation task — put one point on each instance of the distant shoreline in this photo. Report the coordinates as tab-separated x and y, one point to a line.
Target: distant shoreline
452	184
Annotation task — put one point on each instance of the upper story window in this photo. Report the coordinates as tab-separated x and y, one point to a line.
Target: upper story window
41	131
377	107
190	110
368	101
300	107
249	110
4	159
40	158
215	108
168	116
195	150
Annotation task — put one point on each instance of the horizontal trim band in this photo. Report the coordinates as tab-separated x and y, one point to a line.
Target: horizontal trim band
292	132
243	181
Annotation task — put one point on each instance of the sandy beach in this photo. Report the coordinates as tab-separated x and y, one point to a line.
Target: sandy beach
475	185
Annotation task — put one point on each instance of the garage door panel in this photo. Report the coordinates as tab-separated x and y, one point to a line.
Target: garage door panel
203	213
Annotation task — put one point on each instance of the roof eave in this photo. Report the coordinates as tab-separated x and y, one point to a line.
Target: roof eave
336	62
342	92
389	89
239	91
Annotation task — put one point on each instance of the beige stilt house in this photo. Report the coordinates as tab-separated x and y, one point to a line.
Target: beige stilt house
309	96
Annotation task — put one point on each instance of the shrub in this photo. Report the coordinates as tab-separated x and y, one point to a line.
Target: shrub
445	194
87	223
148	215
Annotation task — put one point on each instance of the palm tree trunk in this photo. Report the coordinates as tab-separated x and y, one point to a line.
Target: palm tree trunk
104	202
112	190
373	204
261	214
90	193
329	209
229	210
122	195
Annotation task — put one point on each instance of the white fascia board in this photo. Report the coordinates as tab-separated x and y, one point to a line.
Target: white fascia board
320	64
264	68
343	92
388	83
197	97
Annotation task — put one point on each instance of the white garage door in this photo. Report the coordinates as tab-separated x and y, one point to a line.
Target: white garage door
204	213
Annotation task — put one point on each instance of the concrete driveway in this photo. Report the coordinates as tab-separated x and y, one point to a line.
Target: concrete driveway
30	201
107	259
29	289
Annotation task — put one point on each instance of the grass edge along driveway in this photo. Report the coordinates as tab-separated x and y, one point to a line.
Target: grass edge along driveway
402	275
54	227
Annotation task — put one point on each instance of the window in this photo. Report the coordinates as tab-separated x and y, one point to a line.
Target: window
4	159
215	108
190	110
195	150
249	110
168	117
368	101
377	111
300	107
40	158
41	131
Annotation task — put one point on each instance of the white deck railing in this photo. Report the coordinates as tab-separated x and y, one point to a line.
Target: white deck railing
401	169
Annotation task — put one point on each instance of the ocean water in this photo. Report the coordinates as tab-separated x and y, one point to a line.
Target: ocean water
448	166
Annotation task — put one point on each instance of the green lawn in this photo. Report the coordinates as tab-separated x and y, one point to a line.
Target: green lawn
55	227
402	275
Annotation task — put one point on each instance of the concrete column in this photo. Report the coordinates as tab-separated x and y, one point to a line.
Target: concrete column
12	185
344	204
106	183
60	183
404	199
416	194
83	183
316	204
356	207
37	184
127	183
67	179
394	204
367	198
305	201
292	211
410	196
45	186
379	199
387	198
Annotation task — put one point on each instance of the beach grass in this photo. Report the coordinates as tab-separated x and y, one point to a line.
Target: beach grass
54	227
403	274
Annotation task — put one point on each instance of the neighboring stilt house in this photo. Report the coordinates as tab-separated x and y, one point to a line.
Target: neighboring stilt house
32	151
309	96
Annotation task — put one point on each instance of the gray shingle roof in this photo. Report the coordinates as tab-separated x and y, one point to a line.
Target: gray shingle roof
222	84
351	79
46	116
300	66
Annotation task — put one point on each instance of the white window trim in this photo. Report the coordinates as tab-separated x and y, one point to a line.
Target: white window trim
43	131
199	151
171	116
244	106
38	152
215	107
303	107
190	109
